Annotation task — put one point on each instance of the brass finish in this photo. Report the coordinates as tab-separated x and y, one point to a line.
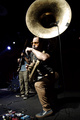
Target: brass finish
48	18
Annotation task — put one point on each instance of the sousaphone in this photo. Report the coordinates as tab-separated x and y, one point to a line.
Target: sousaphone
48	18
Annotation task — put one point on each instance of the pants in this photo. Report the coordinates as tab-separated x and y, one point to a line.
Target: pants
23	79
43	90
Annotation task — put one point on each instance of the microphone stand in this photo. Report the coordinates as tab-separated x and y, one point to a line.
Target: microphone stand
61	58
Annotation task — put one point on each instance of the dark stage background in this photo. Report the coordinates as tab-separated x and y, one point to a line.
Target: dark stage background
13	28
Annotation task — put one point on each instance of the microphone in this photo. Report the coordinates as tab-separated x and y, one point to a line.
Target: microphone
54	24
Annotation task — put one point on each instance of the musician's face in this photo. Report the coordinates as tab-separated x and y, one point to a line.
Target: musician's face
35	43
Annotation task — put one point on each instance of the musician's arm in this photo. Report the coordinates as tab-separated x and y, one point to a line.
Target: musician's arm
26	59
38	54
41	55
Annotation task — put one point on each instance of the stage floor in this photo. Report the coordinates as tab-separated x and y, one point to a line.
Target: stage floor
67	106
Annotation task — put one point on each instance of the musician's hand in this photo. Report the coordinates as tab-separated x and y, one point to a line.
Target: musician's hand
26	66
28	49
31	64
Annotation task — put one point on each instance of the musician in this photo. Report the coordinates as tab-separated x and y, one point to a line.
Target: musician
45	76
23	76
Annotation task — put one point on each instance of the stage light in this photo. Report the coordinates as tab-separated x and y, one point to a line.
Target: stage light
8	48
13	42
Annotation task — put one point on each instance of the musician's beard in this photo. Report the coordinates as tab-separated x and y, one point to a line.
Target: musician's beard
37	48
34	47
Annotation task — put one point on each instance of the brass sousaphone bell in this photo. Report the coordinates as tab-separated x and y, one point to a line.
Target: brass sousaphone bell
48	18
